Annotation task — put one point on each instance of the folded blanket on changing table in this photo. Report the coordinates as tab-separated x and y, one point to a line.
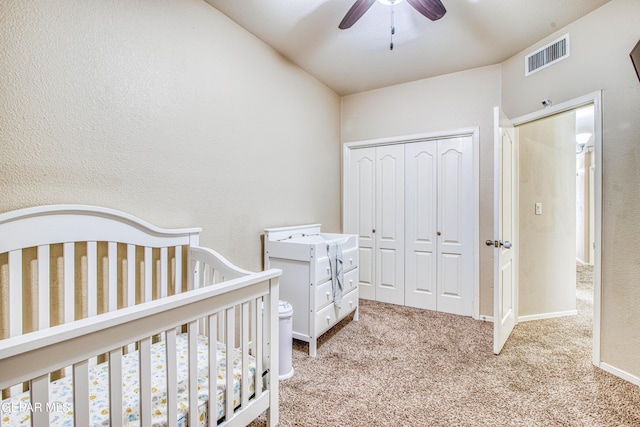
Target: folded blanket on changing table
61	391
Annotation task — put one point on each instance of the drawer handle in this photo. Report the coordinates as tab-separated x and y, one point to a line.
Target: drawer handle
328	295
328	319
350	260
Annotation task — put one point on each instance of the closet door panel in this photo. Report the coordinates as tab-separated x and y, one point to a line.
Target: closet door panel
389	263
361	219
451	192
421	222
367	288
450	268
455	201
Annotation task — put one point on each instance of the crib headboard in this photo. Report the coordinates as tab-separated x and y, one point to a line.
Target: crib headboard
60	263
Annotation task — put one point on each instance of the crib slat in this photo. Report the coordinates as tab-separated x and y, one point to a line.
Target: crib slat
258	340
148	274
15	301
192	332
69	278
92	278
178	269
164	269
244	393
131	282
172	379
253	345
197	266
144	361
15	293
39	399
81	393
112	255
131	275
271	310
43	286
205	272
192	275
213	370
230	339
115	386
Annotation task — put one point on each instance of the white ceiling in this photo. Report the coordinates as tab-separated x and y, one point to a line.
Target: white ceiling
473	33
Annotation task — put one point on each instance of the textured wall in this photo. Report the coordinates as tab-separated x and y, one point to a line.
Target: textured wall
169	111
600	46
440	104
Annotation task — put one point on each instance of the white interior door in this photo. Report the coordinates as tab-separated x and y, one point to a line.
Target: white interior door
505	261
361	218
455	226
421	174
389	229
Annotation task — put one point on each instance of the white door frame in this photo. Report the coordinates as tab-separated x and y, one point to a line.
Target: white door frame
594	98
474	134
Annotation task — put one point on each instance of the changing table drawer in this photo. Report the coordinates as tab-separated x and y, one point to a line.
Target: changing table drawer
323	270
324	291
324	294
349	259
350	281
330	315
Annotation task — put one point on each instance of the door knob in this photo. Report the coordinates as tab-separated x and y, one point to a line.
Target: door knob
497	243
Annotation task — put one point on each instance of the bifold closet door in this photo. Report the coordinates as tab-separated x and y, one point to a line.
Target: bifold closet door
389	221
439	234
361	218
376	215
421	165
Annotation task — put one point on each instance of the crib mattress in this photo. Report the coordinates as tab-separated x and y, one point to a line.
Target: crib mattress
61	391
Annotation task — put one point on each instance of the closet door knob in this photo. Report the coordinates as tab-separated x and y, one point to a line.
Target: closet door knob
439	233
373	231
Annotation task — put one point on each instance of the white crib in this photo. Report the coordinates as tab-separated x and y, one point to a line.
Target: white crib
106	319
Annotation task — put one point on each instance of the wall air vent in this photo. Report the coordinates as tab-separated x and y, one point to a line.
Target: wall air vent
547	55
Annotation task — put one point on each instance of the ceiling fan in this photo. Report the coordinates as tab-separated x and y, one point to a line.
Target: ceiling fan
432	9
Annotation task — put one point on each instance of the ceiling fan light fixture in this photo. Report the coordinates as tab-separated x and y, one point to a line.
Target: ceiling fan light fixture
432	9
390	2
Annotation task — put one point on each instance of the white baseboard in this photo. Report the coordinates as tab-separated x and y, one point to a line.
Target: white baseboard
620	373
547	315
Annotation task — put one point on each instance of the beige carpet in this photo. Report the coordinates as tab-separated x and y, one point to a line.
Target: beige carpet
399	366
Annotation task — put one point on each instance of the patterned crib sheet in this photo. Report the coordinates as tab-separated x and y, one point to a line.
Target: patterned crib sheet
16	410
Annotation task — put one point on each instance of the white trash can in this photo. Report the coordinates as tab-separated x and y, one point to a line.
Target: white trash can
285	310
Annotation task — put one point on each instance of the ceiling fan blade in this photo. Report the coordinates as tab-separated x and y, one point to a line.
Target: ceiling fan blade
357	10
432	9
